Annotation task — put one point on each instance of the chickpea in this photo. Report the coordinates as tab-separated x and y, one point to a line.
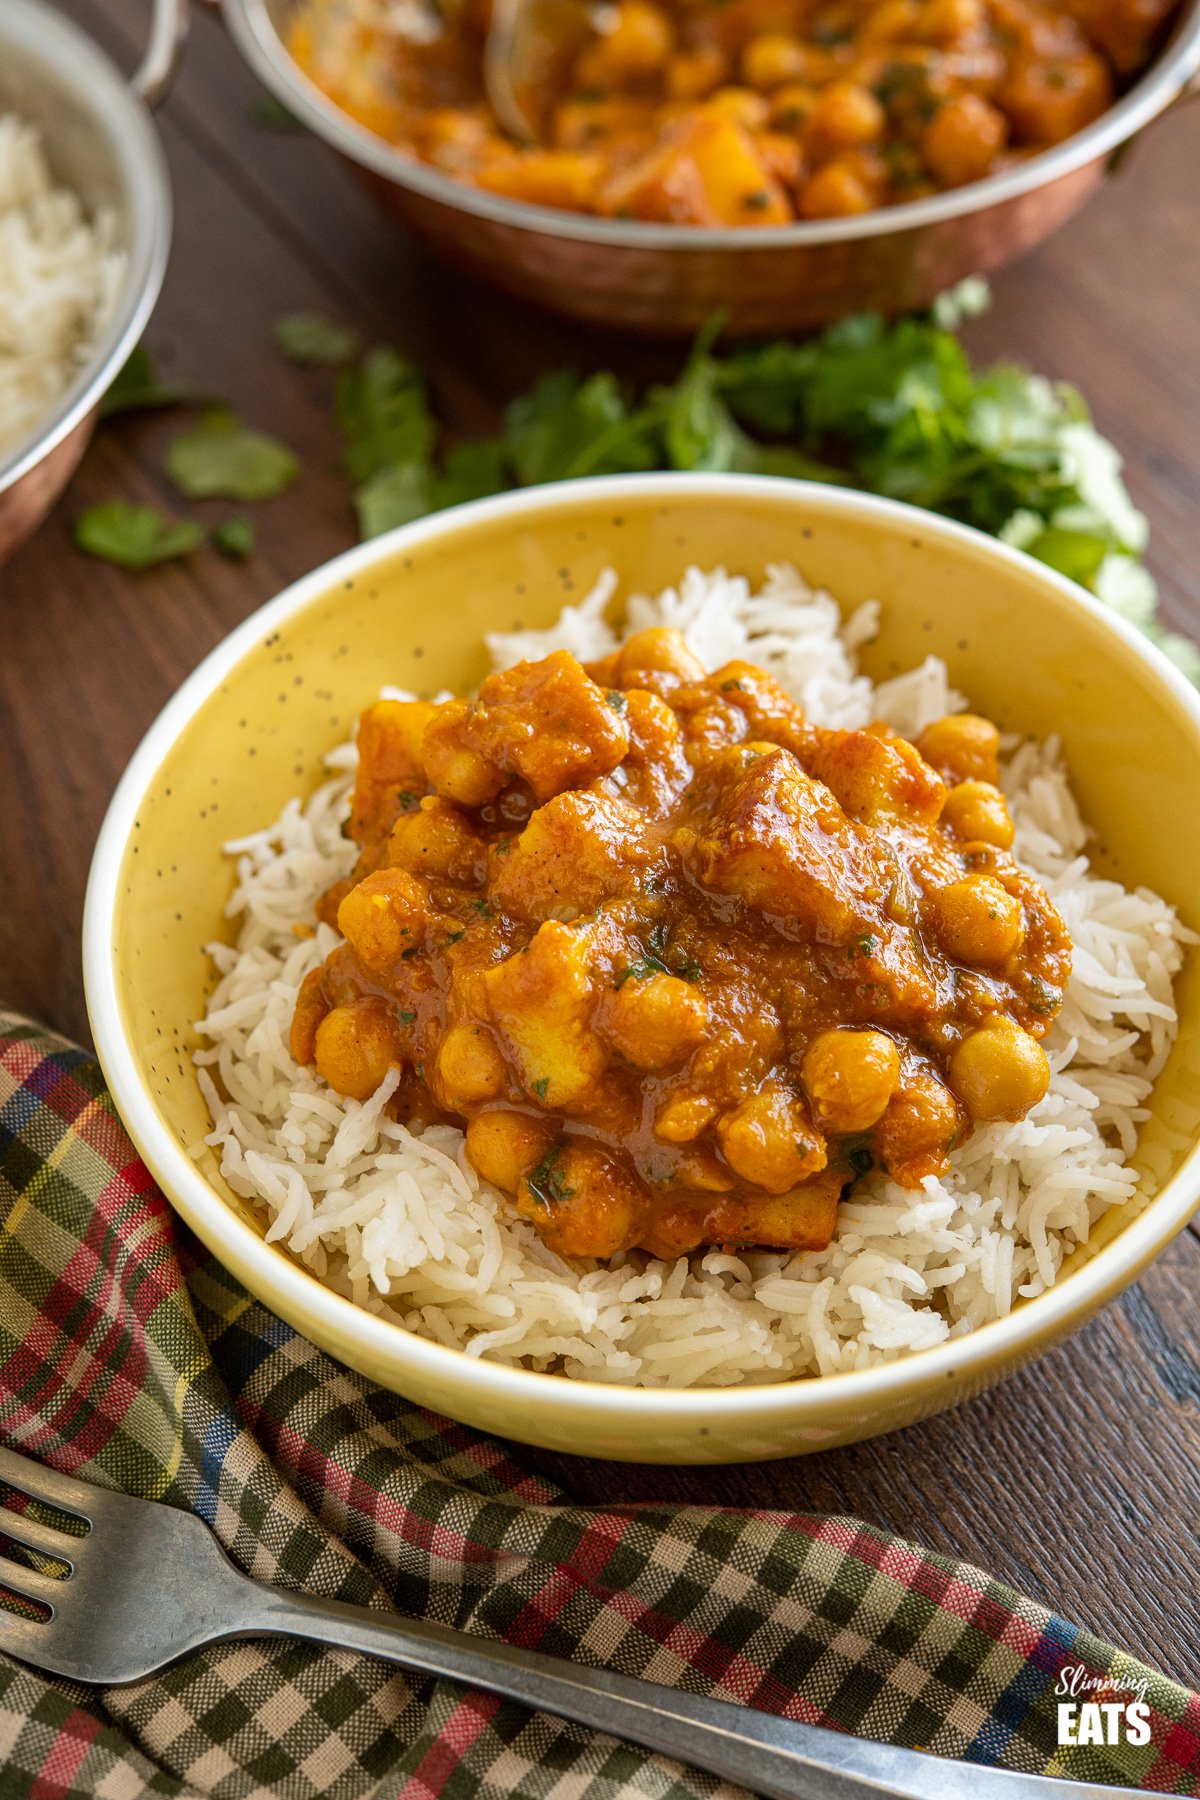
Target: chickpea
683	1117
655	1022
849	1077
637	46
772	59
978	812
356	1045
845	116
978	921
742	105
914	1135
791	105
963	140
962	745
888	23
941	21
692	74
770	1141
437	840
470	1066
453	766
835	192
999	1071
660	650
502	1145
583	1201
311	1007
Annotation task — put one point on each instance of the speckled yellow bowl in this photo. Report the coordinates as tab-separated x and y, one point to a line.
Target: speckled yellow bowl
249	729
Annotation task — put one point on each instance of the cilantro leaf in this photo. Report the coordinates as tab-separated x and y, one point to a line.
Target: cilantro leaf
383	411
137	387
394	495
307	337
234	538
547	1182
219	458
135	537
566	427
469	472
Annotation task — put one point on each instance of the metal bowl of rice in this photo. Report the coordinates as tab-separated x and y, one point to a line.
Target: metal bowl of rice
85	227
379	1241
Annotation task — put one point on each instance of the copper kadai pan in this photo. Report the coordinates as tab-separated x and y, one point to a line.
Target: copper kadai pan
665	281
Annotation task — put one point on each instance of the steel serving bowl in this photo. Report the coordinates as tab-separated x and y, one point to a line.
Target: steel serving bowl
251	726
98	138
666	280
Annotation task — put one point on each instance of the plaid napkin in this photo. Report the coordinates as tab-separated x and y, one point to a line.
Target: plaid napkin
129	1357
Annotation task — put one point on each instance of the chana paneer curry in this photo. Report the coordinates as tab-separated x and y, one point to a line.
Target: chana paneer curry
743	112
683	964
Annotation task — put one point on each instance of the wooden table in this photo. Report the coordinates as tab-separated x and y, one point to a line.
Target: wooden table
1078	1481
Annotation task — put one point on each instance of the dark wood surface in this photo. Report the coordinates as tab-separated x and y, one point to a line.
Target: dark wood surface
1078	1481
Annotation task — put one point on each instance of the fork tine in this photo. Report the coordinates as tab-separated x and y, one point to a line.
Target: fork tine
39	1483
23	1638
30	1584
36	1536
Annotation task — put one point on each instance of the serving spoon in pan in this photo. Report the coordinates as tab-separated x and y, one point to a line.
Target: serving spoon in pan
134	1585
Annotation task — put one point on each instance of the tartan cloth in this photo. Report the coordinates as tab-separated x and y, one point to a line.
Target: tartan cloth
130	1358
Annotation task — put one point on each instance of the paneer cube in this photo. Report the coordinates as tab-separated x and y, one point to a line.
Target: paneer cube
549	723
781	842
385	918
390	735
541	1001
576	851
705	170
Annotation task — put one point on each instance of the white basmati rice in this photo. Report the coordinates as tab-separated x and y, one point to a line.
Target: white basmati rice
398	1220
59	278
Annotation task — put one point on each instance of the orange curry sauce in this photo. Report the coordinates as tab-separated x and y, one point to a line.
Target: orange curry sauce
746	112
683	963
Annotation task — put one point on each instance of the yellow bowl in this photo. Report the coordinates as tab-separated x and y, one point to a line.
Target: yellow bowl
249	728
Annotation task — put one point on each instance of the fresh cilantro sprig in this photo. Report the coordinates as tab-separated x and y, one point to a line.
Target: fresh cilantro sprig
895	409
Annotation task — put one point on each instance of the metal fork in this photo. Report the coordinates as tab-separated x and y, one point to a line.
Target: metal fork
147	1584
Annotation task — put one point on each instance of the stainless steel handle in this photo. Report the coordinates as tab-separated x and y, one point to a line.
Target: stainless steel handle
780	1758
157	69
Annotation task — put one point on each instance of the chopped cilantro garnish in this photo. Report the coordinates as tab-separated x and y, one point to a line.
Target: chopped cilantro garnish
616	699
539	1087
406	1018
547	1182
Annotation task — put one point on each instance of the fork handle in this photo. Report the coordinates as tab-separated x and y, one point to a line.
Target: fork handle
781	1758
